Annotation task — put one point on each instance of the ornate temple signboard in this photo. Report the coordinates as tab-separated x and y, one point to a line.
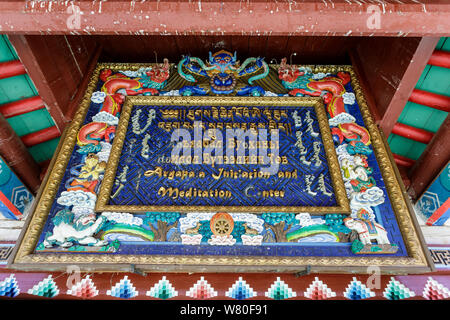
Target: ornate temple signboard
218	154
222	166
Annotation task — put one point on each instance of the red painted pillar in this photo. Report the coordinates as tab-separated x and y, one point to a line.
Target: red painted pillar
17	156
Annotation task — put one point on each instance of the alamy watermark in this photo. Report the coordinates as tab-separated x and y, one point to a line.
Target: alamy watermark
73	22
73	11
374	280
234	146
374	19
74	276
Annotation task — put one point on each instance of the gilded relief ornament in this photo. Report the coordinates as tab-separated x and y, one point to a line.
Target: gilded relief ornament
67	225
89	175
222	75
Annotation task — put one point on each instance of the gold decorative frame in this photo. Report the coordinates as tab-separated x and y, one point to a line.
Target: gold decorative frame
121	131
25	258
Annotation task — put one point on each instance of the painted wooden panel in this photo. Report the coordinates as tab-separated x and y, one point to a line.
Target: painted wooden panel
309	50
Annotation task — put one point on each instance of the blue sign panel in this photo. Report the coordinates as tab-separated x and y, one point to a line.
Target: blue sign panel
223	156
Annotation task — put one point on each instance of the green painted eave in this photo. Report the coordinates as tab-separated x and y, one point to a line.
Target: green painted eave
18	88
433	79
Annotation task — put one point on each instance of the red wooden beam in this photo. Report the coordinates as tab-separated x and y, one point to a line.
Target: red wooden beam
412	133
19	107
430	99
440	58
40	136
227	17
398	76
11	69
17	156
403	161
58	87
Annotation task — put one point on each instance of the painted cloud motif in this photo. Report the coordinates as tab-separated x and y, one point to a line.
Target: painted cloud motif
106	117
98	97
341	118
349	98
103	155
78	198
370	198
123	218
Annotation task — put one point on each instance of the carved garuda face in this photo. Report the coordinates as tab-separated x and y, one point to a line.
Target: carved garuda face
222	59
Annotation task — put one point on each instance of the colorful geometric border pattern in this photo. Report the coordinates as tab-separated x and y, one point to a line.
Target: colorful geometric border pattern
5	252
440	257
232	287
